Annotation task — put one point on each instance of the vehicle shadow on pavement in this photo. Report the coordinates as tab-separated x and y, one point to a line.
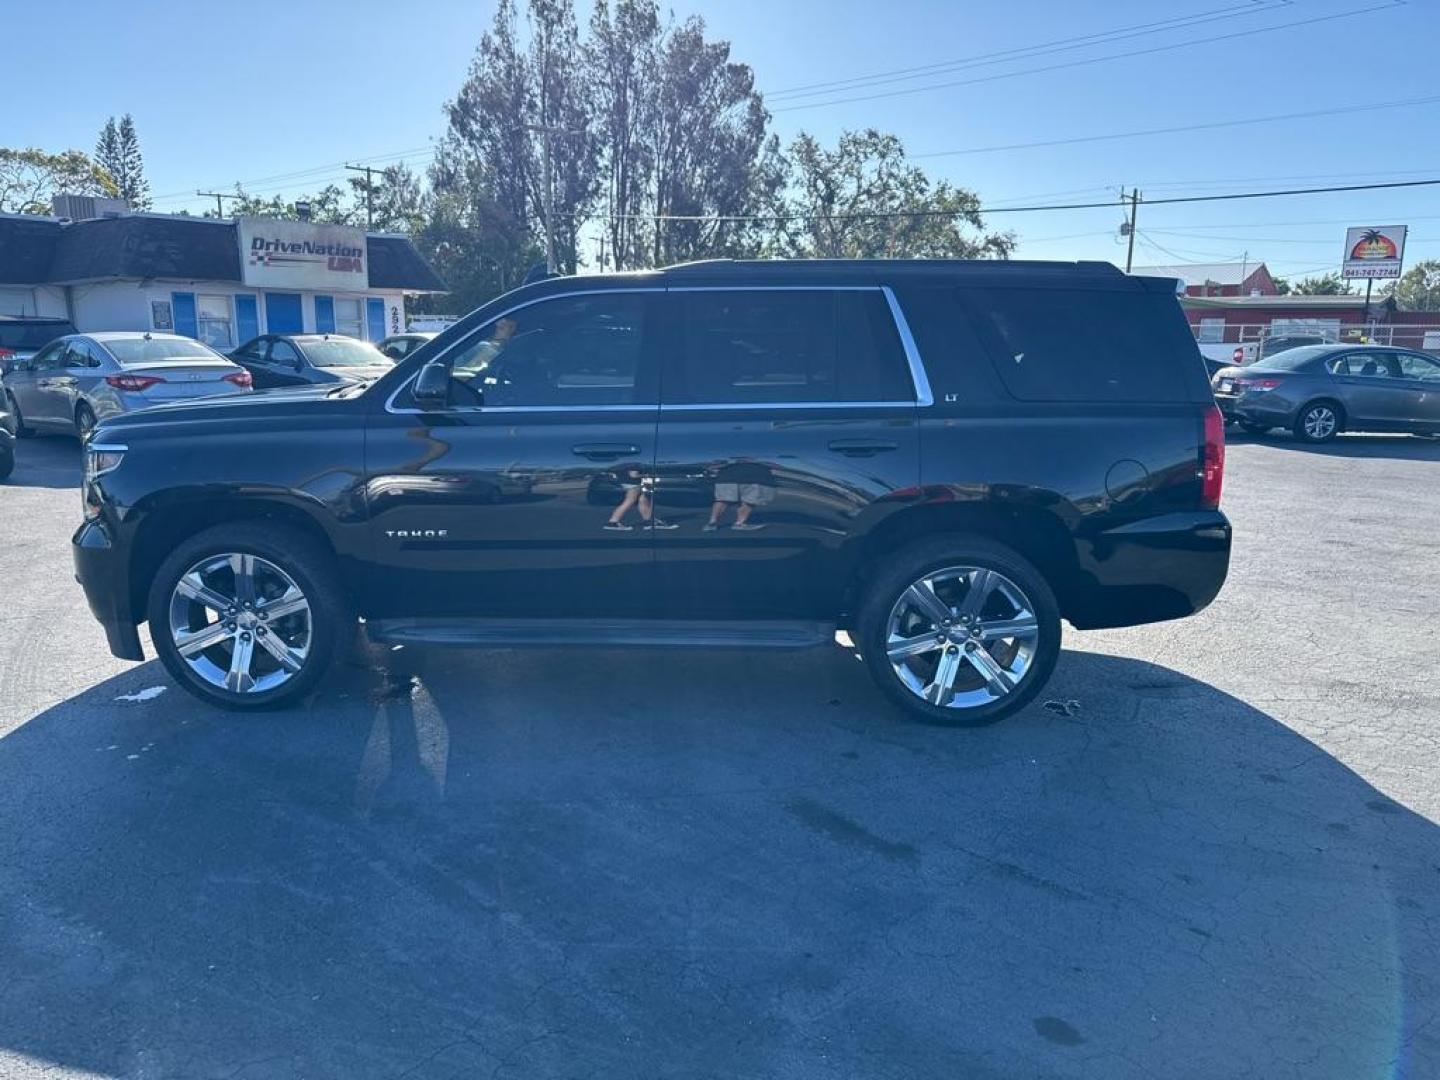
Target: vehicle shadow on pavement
1400	447
557	863
48	461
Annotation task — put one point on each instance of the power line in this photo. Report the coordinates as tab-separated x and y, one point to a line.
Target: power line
1388	5
1178	128
1082	41
983	210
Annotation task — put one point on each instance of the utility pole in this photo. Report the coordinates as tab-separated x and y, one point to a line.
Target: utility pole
1130	229
546	133
218	196
369	193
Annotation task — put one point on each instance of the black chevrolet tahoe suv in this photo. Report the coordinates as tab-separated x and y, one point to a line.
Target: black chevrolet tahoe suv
943	459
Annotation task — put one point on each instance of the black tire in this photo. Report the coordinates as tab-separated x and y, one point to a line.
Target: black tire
1317	432
18	419
1252	428
914	561
309	565
84	421
7	463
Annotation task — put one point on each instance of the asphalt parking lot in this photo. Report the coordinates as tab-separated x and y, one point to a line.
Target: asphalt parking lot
1210	849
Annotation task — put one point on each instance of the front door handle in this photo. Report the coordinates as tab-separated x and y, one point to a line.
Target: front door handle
604	451
862	447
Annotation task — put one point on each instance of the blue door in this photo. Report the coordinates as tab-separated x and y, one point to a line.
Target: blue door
375	318
247	319
324	314
282	313
182	305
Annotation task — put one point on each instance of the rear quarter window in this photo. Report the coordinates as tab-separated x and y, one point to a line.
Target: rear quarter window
1077	345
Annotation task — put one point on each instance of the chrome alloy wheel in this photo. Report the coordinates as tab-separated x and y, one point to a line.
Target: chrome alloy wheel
1320	422
240	623
962	637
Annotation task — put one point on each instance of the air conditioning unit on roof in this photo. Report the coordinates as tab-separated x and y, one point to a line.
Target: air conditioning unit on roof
86	207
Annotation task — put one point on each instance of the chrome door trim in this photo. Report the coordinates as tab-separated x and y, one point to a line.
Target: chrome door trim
923	394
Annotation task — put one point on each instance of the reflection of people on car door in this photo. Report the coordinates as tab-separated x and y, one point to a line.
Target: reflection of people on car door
634	485
744	485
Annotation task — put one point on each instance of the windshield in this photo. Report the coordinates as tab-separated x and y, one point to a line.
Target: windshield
29	336
137	350
340	352
1293	359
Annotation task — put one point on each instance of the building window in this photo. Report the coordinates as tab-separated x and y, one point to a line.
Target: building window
161	315
217	327
349	317
1211	331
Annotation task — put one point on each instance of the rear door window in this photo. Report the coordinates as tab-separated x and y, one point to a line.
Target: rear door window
1085	345
788	346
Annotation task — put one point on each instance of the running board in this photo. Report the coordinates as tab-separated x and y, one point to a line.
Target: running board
605	633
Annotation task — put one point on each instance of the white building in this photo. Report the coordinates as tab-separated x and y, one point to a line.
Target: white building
221	281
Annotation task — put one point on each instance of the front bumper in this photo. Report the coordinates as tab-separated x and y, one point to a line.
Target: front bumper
1150	570
103	572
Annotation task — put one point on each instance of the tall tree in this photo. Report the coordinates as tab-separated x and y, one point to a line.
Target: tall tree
560	107
1419	288
117	151
622	58
864	200
709	137
30	178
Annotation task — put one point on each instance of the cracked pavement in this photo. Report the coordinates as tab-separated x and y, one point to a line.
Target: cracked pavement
1218	856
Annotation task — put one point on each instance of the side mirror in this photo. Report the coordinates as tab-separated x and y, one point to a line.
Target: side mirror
432	386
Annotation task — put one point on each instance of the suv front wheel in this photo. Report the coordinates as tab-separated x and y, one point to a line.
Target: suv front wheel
959	630
247	615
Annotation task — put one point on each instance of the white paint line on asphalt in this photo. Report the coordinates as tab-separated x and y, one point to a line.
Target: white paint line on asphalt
148	694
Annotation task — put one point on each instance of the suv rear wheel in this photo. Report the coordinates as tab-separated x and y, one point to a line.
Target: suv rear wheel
247	615
959	630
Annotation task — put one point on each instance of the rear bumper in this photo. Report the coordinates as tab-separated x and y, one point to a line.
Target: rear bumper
102	571
1150	570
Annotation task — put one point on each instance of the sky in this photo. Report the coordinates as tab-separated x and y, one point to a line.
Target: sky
279	95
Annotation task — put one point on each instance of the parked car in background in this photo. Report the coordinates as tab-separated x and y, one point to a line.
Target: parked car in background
22	336
81	379
1252	352
300	359
399	346
1317	391
7	435
943	458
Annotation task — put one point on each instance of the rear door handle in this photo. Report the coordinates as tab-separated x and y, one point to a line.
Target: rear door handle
862	447
604	451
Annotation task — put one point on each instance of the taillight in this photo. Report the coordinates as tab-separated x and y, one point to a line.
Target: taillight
1212	459
1256	384
5	354
240	378
133	384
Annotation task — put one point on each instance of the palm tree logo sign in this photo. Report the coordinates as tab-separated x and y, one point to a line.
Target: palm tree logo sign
1374	244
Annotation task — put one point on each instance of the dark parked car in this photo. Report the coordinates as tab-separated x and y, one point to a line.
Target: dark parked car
925	454
297	359
22	336
1318	391
399	346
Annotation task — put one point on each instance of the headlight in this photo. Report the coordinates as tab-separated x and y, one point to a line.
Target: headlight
101	458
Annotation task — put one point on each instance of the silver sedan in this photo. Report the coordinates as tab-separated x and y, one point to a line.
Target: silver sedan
78	380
